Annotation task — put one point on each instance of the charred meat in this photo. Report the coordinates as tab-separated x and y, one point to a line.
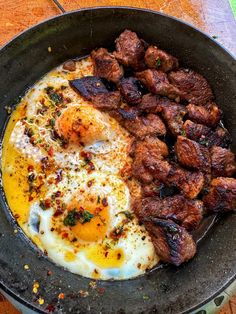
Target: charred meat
193	86
222	195
129	88
158	83
192	155
172	243
151	103
93	89
156	58
106	65
173	115
222	162
130	50
208	115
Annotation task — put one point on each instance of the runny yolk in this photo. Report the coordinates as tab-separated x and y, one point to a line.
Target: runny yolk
95	229
105	258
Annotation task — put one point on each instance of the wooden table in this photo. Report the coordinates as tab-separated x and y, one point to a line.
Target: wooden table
213	16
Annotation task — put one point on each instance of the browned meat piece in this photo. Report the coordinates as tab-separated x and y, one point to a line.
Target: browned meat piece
187	213
222	162
209	114
192	155
157	83
93	89
206	136
149	147
222	195
144	126
153	103
190	183
129	88
156	58
151	189
173	244
69	65
173	116
194	87
130	50
106	65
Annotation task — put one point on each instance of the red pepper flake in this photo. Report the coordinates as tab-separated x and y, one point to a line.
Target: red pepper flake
30	168
50	151
31	198
58	175
61	296
101	290
104	202
87	156
17	216
90	183
49	272
64	235
47	203
91	166
50	308
97	210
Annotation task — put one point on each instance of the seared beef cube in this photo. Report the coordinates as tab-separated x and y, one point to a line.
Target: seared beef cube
151	189
209	114
187	213
192	155
222	162
145	125
93	89
194	87
149	147
173	244
130	50
157	83
129	88
156	58
159	168
173	115
190	183
196	132
206	136
153	103
106	65
222	195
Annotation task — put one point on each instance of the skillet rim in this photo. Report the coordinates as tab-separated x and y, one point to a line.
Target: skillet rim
7	290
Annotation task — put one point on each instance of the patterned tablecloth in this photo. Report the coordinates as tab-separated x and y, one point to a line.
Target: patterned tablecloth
216	17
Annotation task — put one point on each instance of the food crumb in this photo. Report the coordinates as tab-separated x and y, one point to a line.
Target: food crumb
83	293
8	109
35	287
145	297
61	296
26	267
49	49
93	284
15	231
41	301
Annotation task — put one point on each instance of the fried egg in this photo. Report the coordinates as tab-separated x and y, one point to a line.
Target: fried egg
66	176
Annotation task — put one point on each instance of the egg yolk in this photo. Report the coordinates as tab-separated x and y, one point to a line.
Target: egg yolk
77	125
104	257
96	228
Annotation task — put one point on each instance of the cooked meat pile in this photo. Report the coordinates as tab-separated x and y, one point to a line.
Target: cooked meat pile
180	149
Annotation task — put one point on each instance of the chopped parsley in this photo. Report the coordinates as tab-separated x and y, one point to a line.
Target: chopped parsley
74	216
158	62
54	96
127	214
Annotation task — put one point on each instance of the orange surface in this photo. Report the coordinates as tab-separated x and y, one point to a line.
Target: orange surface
213	16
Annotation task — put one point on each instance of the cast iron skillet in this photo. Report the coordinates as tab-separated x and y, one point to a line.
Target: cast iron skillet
169	289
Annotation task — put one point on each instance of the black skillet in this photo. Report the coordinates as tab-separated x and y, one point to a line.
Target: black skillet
166	290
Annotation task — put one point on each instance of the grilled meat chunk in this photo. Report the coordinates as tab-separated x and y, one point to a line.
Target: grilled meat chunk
106	65
209	114
173	244
130	50
187	213
151	189
190	183
93	89
145	125
192	155
173	115
156	58
194	87
149	147
157	83
129	88
153	103
222	195
206	136
222	162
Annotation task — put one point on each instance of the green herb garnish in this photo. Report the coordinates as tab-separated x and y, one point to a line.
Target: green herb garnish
158	62
127	214
74	216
